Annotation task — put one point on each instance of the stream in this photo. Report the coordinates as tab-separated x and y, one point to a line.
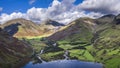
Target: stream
38	55
66	53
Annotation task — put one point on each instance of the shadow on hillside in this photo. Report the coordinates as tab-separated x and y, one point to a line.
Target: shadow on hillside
12	29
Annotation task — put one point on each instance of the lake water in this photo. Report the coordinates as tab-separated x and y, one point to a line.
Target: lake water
64	64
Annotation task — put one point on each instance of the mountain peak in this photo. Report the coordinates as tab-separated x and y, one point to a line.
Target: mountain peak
108	16
52	22
118	16
117	19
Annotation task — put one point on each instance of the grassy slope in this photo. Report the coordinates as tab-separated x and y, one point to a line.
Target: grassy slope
107	47
104	49
91	53
113	63
77	32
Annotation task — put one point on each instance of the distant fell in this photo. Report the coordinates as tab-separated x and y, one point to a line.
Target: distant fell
26	28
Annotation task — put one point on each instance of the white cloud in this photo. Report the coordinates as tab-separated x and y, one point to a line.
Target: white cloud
1	9
102	6
37	14
5	17
65	11
32	1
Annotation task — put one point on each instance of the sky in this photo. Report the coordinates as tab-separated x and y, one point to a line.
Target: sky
63	11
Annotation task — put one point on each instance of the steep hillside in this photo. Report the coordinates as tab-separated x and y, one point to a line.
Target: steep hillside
79	30
26	28
86	28
98	36
107	45
21	28
82	26
12	51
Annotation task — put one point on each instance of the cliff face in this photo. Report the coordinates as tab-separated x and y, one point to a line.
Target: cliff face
12	51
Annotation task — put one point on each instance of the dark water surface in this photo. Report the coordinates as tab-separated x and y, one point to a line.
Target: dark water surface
64	64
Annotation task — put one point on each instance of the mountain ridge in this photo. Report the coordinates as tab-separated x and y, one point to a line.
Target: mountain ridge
93	25
25	28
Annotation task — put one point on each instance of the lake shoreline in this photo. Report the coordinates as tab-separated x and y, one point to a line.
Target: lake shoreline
65	63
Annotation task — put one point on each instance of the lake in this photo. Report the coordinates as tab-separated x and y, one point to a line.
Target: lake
64	64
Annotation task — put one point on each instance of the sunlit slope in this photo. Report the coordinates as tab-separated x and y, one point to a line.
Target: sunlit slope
25	28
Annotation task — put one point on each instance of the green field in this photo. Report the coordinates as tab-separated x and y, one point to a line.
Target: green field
85	53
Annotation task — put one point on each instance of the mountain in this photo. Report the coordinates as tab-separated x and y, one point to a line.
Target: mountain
13	51
50	26
117	19
98	36
83	26
87	39
51	22
21	28
26	28
75	31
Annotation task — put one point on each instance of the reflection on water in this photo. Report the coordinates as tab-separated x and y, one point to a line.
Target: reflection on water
64	64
